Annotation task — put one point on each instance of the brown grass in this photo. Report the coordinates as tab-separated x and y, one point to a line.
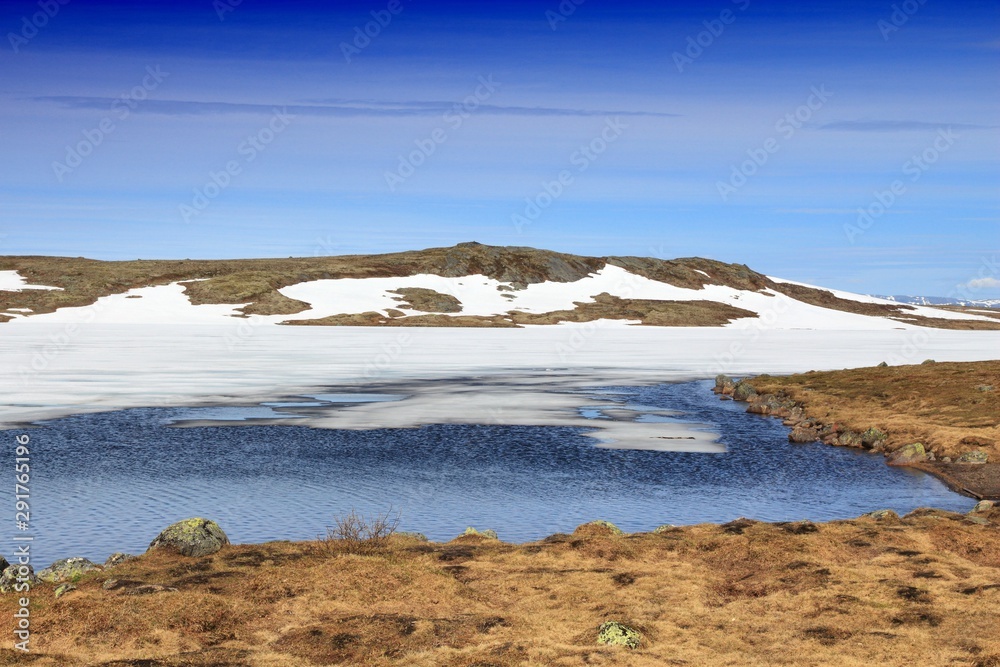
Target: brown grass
941	405
924	590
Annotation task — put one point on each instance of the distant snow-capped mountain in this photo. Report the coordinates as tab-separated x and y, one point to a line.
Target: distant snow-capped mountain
940	301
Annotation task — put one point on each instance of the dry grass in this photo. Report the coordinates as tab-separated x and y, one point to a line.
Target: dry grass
942	405
355	533
924	590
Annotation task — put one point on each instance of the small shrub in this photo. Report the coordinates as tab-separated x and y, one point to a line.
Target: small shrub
355	533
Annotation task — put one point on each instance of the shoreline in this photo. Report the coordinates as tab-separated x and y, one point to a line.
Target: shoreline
966	467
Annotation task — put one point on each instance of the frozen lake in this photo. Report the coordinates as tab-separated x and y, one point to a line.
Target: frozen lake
110	481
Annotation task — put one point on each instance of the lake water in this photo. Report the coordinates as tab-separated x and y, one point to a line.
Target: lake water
110	481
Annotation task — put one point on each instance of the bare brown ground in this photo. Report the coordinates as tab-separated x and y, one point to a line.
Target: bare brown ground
924	590
647	311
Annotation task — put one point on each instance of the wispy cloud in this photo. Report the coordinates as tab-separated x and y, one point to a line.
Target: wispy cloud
895	126
827	211
983	283
338	108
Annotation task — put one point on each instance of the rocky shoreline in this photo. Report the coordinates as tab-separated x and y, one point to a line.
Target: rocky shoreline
969	473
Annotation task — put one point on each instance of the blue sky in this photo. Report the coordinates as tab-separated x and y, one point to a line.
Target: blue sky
747	131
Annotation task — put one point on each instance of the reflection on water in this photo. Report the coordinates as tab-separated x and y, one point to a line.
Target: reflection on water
109	482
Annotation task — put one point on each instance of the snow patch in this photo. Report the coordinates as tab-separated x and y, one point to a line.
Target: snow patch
12	281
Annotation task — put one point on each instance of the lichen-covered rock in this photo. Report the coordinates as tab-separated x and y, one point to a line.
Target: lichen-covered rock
849	439
63	589
614	633
881	515
67	569
983	506
874	439
489	533
16	577
192	537
976	457
600	526
912	453
118	558
744	391
665	528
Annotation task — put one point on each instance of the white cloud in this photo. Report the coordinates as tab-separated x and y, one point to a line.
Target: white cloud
983	283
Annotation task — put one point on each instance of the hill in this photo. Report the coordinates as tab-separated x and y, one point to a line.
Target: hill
469	284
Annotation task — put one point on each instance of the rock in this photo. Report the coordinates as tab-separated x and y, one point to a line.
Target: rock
927	361
67	569
115	584
412	535
600	526
744	391
913	453
803	434
489	533
768	404
883	365
975	458
63	589
724	384
977	520
614	633
985	388
983	506
118	558
874	439
15	577
665	528
881	515
849	439
945	459
192	537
